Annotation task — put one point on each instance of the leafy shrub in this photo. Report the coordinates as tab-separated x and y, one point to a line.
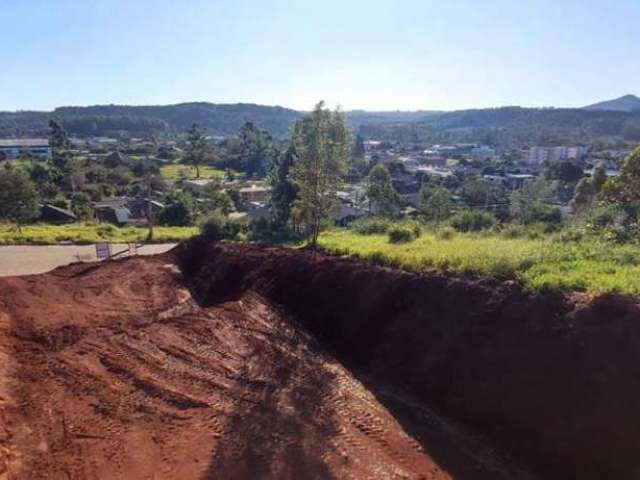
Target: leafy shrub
263	231
371	226
446	233
626	258
606	217
106	230
514	230
416	228
214	227
398	234
610	223
574	233
179	211
473	221
232	229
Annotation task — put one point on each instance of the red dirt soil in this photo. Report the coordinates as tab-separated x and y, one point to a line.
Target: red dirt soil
229	361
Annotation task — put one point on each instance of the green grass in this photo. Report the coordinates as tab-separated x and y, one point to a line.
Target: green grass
22	163
172	172
42	234
590	266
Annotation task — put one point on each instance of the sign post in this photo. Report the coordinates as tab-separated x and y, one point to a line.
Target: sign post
103	251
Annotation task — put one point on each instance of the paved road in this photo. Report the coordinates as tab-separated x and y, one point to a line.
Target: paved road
25	260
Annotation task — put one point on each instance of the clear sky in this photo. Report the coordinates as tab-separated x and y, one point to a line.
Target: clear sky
386	55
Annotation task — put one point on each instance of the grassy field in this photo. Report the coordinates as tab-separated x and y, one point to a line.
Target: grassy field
172	172
590	265
84	234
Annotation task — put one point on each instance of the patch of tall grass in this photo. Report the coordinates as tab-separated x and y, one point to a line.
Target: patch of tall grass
540	261
77	233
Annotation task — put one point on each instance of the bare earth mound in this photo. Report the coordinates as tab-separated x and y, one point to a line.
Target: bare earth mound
228	361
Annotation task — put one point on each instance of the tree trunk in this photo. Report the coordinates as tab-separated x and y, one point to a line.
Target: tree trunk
149	210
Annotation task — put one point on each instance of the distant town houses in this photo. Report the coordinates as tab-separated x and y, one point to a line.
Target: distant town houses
483	152
25	147
512	181
411	165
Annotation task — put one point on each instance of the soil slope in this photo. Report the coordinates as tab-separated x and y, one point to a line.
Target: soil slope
113	371
230	361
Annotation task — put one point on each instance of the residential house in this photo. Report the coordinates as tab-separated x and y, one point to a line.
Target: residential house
254	193
125	210
56	215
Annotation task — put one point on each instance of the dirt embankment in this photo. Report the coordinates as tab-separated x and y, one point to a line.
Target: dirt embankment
240	362
553	380
114	372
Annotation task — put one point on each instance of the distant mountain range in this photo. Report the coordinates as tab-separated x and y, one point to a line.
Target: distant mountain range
616	122
628	103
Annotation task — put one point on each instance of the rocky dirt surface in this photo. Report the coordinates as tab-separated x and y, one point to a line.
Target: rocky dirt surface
241	362
114	371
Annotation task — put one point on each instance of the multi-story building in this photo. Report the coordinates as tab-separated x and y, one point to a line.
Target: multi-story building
21	147
539	155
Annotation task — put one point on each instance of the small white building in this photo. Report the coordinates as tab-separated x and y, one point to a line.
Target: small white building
20	147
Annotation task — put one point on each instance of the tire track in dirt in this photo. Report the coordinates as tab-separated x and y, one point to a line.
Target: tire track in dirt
116	373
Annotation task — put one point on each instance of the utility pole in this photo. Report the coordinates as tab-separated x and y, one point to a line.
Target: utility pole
149	205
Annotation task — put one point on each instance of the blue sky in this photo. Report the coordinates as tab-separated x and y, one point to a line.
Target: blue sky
384	55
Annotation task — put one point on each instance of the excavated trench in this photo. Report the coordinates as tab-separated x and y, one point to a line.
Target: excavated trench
553	380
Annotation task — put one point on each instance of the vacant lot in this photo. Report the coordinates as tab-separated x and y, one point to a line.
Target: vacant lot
589	265
175	171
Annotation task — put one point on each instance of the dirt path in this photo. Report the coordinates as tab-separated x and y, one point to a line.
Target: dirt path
31	259
115	372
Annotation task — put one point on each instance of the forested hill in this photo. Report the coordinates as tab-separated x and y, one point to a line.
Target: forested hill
516	126
218	119
504	126
628	103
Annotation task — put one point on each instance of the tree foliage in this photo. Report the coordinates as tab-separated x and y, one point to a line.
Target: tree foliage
198	150
476	191
283	190
179	210
58	140
566	172
257	150
380	190
583	195
435	203
321	141
18	197
625	189
531	202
